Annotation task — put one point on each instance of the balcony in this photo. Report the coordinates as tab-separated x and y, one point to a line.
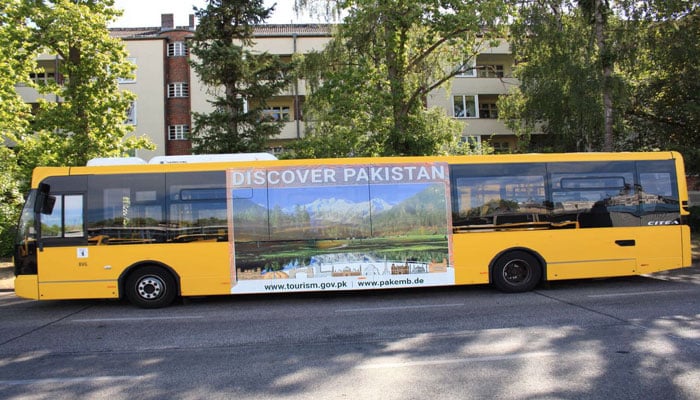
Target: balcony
291	130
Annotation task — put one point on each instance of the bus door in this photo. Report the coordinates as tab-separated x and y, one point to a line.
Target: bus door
600	198
25	243
660	237
62	241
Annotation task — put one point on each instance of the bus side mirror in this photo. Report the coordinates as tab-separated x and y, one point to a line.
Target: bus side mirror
44	202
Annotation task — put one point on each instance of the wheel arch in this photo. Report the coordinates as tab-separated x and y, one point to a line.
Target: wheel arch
147	263
536	254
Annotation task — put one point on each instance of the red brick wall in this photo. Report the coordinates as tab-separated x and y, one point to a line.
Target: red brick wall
178	111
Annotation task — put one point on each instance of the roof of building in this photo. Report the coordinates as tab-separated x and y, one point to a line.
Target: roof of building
292	29
134	32
259	31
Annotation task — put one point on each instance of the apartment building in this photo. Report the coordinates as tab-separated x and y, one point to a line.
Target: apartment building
168	91
472	96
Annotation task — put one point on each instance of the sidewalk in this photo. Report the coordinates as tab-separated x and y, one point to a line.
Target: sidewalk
7	277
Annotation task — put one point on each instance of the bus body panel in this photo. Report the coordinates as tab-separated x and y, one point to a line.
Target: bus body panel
472	257
590	253
675	254
94	271
568	254
76	273
204	268
78	290
27	286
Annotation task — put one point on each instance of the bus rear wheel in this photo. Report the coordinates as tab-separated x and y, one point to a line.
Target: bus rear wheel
150	287
516	271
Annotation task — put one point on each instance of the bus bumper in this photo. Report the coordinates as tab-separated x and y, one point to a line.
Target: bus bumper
27	286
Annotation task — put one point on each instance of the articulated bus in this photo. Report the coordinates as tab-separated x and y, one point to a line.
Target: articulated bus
151	233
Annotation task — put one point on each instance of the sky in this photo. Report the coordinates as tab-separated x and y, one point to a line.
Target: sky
146	13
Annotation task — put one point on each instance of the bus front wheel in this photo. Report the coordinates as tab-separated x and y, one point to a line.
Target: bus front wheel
516	271
150	287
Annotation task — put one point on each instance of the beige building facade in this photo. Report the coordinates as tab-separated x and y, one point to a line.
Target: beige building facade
168	91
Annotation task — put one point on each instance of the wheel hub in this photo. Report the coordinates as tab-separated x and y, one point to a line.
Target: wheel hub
516	271
150	287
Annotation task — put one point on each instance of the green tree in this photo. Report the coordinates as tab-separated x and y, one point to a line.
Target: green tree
10	200
16	60
564	64
241	80
369	86
597	13
663	70
607	75
88	120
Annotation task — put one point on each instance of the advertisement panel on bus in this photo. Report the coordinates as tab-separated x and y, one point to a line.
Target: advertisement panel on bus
340	227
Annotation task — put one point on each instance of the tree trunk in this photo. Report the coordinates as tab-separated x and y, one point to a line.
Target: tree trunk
600	7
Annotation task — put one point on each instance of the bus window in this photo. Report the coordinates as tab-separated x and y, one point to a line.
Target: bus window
126	209
73	216
595	194
658	192
26	229
197	207
503	195
66	219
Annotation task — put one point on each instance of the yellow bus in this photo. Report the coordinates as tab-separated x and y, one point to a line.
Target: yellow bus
151	232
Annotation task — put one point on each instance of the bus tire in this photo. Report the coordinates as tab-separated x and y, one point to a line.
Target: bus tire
150	287
516	271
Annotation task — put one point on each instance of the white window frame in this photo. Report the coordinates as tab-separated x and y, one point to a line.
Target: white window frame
500	146
471	139
484	70
129	80
468	69
178	89
464	105
41	77
177	49
278	113
490	110
178	132
131	114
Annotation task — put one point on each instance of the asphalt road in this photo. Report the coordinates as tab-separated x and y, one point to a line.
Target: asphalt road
623	338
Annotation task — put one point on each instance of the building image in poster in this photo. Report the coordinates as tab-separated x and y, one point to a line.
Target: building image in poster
340	227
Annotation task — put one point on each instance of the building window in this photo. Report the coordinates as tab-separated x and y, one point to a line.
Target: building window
500	147
180	89
131	114
488	110
42	78
464	106
277	114
177	49
178	132
473	141
130	79
490	71
467	70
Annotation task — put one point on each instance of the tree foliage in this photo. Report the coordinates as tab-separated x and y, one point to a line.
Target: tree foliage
88	119
16	61
558	63
664	108
650	51
242	80
78	117
369	86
